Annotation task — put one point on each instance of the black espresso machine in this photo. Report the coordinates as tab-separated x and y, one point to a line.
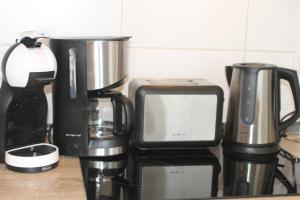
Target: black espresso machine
27	66
88	112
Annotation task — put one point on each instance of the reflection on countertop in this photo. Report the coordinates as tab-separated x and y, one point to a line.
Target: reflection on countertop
200	174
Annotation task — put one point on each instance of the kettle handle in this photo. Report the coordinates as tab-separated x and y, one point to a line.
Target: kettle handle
228	71
290	76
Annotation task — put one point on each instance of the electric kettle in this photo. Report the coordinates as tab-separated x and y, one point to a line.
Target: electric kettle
253	120
254	175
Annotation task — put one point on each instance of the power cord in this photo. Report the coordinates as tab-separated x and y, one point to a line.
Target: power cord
293	136
286	116
293	161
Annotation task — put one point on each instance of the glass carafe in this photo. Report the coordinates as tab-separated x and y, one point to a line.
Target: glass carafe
106	114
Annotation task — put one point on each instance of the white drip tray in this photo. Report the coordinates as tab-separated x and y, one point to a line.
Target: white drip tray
33	158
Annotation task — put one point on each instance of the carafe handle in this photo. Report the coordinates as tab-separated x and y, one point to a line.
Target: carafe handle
290	76
118	183
128	109
228	71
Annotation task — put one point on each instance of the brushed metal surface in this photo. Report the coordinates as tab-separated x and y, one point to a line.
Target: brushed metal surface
101	165
96	151
179	117
262	129
106	63
247	178
136	83
176	182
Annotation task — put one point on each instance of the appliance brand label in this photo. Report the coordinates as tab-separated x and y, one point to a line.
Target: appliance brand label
73	135
179	171
178	134
46	168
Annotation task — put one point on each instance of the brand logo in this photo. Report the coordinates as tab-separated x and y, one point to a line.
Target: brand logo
73	135
178	171
178	134
46	168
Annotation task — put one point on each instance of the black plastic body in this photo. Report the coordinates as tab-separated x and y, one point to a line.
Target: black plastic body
254	149
143	91
32	169
70	126
23	111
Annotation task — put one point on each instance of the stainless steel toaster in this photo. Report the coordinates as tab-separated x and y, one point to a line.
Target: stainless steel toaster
176	113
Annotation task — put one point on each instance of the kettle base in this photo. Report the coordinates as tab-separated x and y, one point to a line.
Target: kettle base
258	149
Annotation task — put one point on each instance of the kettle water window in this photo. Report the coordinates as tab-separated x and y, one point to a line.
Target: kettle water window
72	71
248	98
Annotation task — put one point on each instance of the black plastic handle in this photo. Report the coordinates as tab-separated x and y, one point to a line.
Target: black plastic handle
118	183
228	71
128	109
290	76
117	115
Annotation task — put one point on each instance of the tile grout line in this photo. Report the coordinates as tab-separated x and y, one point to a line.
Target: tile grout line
296	60
208	49
246	32
122	16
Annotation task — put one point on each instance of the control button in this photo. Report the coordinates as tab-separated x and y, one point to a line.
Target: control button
247	119
75	147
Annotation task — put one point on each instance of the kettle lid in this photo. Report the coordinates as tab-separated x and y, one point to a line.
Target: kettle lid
254	65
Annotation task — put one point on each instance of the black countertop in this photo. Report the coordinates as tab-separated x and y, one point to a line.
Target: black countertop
200	174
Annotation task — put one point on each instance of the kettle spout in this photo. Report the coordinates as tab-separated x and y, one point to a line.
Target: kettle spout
228	71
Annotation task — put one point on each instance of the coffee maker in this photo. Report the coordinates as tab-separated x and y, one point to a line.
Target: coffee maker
27	67
88	112
104	177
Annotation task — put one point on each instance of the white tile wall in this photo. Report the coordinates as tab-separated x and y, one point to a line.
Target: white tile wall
60	17
163	63
274	24
171	38
211	24
283	59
